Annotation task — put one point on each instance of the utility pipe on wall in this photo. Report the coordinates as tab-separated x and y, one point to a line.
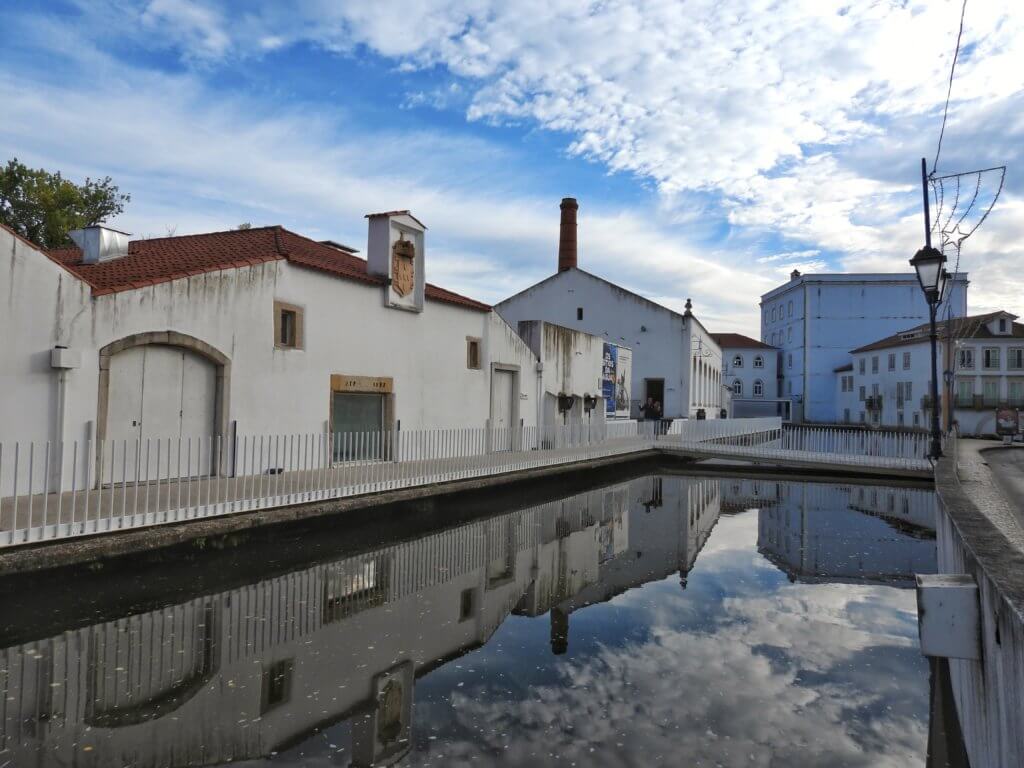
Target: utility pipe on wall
62	360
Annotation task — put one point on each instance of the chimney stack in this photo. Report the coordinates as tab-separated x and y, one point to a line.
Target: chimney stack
794	274
567	234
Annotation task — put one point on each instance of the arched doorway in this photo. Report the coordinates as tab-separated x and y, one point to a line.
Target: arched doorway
163	386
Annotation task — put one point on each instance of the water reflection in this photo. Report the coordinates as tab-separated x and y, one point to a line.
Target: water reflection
324	664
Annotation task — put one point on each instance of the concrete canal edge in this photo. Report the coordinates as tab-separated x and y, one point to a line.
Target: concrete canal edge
978	535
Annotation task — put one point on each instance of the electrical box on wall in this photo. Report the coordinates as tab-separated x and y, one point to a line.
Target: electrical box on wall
62	357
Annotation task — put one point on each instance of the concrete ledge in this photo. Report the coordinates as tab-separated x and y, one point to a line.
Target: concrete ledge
975	537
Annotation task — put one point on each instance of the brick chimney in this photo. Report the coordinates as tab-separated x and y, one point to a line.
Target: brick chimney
567	234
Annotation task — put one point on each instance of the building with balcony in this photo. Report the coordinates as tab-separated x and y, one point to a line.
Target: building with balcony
815	320
980	361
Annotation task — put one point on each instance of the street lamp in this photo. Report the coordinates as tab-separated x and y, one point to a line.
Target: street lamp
935	282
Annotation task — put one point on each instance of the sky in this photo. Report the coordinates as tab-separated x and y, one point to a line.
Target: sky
713	145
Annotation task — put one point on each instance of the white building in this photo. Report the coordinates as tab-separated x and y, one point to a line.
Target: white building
254	332
887	383
675	361
750	370
815	320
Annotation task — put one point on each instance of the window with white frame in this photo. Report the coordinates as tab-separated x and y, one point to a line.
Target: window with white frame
789	333
758	388
759	361
990	358
863	393
965	358
892	361
791	308
737	361
737	387
906	361
874	364
775	314
789	360
860	366
1015	358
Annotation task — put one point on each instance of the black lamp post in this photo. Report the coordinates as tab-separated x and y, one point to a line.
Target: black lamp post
935	282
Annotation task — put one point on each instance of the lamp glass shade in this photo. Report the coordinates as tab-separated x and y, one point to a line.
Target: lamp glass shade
945	287
928	262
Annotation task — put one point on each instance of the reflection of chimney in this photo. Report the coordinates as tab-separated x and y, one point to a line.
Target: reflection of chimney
559	631
567	234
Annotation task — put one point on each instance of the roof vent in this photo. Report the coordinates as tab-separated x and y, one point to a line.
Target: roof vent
99	243
794	274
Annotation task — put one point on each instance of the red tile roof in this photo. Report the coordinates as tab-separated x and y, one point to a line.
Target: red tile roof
738	340
168	258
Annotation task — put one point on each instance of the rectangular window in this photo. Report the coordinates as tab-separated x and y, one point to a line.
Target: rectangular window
874	364
991	391
906	361
1015	392
1015	359
917	419
288	326
860	366
579	313
473	353
862	394
892	361
467	604
874	389
965	359
899	418
965	393
990	358
846	415
276	685
789	361
862	417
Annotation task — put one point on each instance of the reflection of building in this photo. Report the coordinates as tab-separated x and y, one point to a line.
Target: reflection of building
242	673
861	533
250	670
665	524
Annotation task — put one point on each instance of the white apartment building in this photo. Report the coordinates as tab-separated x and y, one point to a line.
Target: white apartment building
815	320
675	361
980	363
256	332
750	371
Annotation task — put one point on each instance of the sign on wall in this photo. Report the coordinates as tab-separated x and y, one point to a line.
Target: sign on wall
616	376
1007	421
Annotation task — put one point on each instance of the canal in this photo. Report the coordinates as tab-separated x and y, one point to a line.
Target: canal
666	620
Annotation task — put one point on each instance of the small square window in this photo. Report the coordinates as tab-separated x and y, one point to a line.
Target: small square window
473	354
579	313
467	604
288	326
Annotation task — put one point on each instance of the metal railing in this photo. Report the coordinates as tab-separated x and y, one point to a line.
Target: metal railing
53	491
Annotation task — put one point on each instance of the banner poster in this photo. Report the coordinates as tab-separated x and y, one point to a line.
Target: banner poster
608	367
1007	421
623	382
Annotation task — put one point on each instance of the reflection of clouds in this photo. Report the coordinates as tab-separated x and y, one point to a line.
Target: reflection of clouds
795	674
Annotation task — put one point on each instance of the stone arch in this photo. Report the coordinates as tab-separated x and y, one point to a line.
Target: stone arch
221	362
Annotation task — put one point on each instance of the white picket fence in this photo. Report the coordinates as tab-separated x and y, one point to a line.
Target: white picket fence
53	491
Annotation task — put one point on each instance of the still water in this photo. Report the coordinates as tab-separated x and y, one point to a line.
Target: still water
672	620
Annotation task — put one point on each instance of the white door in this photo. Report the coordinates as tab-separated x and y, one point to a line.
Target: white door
159	394
502	408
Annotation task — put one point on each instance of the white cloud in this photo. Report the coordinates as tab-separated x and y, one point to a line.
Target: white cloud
800	120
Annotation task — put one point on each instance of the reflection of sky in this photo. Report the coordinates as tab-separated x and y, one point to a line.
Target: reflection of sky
743	668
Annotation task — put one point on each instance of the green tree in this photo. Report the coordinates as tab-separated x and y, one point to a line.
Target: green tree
43	207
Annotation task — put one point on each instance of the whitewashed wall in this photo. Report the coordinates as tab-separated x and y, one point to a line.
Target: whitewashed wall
659	338
347	330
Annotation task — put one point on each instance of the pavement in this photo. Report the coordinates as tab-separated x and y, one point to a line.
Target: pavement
1007	467
993	483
